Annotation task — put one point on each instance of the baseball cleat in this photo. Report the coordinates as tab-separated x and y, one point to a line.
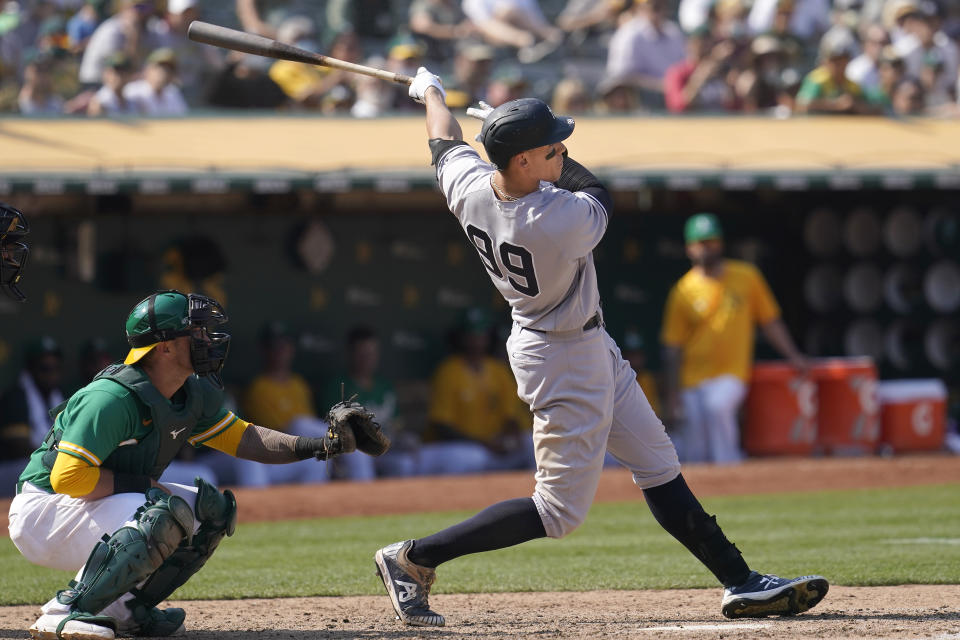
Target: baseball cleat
769	595
57	626
408	585
160	623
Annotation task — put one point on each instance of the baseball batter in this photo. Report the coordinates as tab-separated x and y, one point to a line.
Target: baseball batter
535	217
13	251
89	498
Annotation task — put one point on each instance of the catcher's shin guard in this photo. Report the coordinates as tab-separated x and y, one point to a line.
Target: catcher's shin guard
121	561
217	514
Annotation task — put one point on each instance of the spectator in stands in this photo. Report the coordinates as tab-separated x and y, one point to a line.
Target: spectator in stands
907	98
700	83
644	46
890	70
473	416
83	23
305	84
442	24
243	83
515	23
374	96
617	96
762	86
404	55
581	15
808	18
377	394
570	95
864	69
36	96
508	84
928	53
33	13
827	89
109	99
796	52
281	398
196	62
708	337
472	66
156	93
133	30
370	20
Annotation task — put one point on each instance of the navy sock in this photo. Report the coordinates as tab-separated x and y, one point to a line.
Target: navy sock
500	525
679	512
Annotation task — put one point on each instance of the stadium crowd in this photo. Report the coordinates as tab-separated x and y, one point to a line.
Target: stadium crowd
776	57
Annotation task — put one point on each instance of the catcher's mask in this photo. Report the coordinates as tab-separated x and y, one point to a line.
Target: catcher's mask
13	251
167	315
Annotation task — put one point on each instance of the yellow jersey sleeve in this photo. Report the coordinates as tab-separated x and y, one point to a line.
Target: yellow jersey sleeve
229	439
73	476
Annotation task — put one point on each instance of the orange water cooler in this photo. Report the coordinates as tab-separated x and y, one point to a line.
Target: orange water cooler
780	413
913	414
848	414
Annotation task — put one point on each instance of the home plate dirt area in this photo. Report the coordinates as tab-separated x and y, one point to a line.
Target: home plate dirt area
911	611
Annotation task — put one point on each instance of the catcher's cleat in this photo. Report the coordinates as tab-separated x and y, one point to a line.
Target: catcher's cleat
159	623
408	585
770	595
66	626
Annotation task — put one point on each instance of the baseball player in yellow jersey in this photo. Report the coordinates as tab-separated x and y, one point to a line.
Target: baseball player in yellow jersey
534	215
90	499
708	336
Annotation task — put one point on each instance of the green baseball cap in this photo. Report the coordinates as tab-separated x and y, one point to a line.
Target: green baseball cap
157	318
703	226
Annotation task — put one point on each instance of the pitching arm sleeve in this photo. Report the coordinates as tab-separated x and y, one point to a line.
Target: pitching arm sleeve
576	177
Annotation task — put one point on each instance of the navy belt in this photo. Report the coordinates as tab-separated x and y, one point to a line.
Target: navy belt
592	323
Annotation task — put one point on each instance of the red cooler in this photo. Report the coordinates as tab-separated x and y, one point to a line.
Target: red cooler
913	414
848	418
780	412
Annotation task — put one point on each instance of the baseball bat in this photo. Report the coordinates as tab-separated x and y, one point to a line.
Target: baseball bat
260	46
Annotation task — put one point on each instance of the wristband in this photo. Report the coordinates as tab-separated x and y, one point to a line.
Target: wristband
309	448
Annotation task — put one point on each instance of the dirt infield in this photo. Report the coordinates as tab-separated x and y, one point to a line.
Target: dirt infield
864	612
856	613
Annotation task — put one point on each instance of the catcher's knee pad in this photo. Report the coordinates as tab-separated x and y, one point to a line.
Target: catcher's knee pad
559	519
121	561
217	514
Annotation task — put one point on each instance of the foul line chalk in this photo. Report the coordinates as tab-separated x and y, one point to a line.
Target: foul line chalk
709	627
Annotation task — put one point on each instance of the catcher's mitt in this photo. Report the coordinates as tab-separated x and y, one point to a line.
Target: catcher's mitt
355	427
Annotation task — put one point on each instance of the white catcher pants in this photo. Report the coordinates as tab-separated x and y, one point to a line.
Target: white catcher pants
57	531
585	401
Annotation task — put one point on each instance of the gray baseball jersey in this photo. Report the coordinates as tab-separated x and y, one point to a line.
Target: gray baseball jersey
537	250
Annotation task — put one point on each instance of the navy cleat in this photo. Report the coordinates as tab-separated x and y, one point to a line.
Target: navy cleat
769	595
408	585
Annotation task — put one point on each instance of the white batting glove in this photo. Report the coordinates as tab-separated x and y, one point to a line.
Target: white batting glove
481	112
423	81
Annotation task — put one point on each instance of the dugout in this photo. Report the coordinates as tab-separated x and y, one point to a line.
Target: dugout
323	222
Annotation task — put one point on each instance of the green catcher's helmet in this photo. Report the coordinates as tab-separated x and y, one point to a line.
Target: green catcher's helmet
167	315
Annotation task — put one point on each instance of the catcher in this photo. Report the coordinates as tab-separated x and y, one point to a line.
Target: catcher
89	498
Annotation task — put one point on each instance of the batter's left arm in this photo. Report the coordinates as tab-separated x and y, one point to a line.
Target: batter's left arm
575	177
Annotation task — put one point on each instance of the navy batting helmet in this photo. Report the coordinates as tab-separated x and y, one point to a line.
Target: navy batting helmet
519	125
